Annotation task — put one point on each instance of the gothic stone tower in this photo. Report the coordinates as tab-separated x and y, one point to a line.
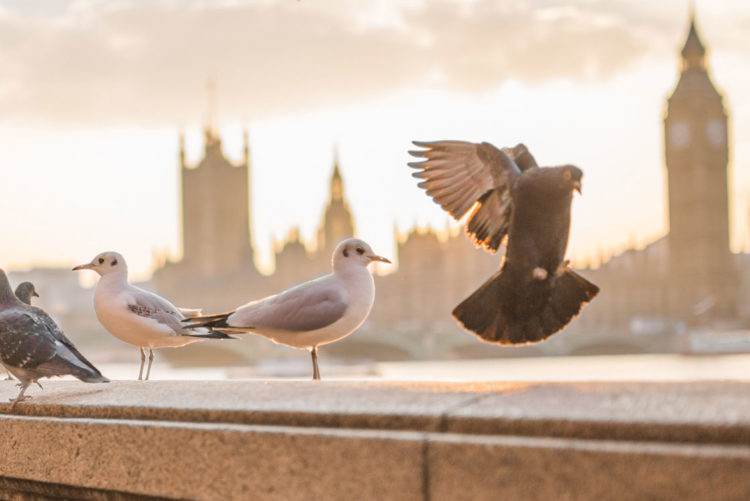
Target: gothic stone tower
696	149
216	211
337	221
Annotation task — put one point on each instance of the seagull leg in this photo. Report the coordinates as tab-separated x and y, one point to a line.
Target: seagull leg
316	371
143	361
150	361
20	397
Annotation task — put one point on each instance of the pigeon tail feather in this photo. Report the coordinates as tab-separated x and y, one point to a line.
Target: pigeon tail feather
92	378
482	313
62	364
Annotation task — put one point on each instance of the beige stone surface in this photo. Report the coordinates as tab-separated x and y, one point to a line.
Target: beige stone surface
380	440
707	411
211	461
716	411
491	468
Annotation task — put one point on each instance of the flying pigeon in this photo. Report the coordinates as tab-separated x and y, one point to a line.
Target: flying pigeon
535	294
25	291
313	313
32	346
137	316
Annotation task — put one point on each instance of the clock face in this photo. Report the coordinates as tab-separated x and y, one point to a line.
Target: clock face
679	133
716	131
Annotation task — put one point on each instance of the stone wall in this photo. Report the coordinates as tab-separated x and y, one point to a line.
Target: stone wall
377	440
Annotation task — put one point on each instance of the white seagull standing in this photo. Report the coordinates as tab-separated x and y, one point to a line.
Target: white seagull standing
313	313
137	316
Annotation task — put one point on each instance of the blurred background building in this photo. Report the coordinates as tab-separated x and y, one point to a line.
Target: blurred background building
685	292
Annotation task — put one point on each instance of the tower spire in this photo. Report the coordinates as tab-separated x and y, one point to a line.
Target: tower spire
337	182
212	111
336	172
693	52
182	147
246	148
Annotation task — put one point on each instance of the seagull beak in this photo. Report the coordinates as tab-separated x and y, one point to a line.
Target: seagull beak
88	266
379	258
577	187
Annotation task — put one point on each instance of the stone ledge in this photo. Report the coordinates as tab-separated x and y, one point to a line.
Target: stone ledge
378	440
700	412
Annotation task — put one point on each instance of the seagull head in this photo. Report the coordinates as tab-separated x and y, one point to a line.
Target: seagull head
105	263
354	252
572	176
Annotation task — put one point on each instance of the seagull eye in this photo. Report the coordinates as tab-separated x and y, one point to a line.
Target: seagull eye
360	251
101	260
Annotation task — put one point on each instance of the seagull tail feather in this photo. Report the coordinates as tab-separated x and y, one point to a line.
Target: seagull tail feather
212	334
482	312
211	321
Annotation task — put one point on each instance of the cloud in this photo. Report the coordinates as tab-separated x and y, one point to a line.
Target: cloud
149	61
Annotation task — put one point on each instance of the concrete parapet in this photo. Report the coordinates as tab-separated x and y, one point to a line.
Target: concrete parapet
377	440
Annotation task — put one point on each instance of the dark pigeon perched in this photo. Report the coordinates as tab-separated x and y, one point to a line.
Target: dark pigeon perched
32	346
534	294
25	291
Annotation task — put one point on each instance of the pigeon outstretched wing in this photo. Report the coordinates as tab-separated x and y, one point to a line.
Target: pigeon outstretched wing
462	176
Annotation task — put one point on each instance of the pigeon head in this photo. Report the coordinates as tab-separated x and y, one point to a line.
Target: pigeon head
571	176
25	291
106	263
354	252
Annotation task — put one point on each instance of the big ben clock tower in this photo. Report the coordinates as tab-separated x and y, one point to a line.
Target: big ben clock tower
702	278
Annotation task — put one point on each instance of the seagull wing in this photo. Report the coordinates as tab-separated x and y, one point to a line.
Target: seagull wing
190	312
148	305
459	176
307	307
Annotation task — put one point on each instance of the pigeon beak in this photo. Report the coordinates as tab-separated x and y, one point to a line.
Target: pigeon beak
577	187
379	258
88	266
35	294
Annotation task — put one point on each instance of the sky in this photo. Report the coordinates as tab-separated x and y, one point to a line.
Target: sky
93	95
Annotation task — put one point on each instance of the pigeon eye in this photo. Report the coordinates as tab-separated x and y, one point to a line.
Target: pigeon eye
114	262
360	251
346	252
101	260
